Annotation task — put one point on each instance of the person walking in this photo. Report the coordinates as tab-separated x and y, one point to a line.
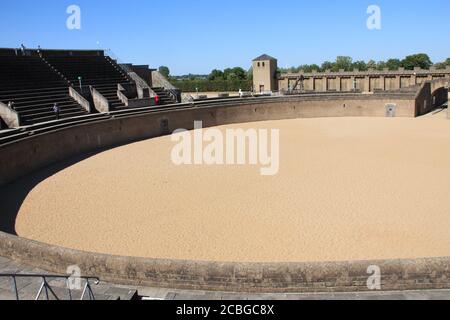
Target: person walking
56	111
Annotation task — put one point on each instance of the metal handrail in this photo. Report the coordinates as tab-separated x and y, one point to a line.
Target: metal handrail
168	87
110	54
46	287
125	68
173	94
171	91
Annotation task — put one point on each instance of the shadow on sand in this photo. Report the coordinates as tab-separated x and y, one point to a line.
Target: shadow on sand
14	194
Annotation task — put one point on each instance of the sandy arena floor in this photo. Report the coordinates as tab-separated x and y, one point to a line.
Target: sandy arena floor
347	189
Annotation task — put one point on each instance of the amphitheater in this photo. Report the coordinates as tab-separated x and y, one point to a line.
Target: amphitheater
363	181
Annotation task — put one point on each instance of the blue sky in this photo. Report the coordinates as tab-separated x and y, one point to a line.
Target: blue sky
197	36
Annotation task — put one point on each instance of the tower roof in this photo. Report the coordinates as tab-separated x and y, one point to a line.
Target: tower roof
264	57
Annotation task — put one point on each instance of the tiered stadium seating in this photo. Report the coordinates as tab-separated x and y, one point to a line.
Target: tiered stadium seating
34	88
34	80
97	71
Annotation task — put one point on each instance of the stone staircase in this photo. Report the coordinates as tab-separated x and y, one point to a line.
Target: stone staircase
34	80
34	88
100	72
164	97
109	91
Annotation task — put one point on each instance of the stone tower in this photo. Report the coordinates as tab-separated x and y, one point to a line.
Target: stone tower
265	73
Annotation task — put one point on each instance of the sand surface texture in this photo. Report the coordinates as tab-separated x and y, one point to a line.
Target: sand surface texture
347	189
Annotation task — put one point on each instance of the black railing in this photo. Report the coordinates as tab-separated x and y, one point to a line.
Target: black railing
46	288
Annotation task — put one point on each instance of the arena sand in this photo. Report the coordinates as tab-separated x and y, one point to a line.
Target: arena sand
347	189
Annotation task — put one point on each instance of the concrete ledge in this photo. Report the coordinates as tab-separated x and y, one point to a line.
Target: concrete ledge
160	81
141	103
143	89
237	277
134	103
10	117
121	95
55	146
100	102
80	99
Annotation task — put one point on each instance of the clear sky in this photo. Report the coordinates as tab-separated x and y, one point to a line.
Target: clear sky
197	36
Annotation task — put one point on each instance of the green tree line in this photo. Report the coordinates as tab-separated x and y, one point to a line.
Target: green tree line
230	79
233	79
346	63
212	85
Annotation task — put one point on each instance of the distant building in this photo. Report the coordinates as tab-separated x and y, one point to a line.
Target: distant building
266	78
265	74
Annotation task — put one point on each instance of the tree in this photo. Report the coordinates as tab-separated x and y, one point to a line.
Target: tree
360	65
235	74
343	62
447	61
226	73
164	71
327	65
314	67
307	68
250	73
440	65
216	75
381	65
371	64
421	60
393	64
240	73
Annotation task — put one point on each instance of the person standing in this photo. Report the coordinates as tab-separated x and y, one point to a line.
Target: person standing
56	111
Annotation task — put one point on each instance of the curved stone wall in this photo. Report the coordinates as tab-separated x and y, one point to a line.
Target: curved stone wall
22	157
246	277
